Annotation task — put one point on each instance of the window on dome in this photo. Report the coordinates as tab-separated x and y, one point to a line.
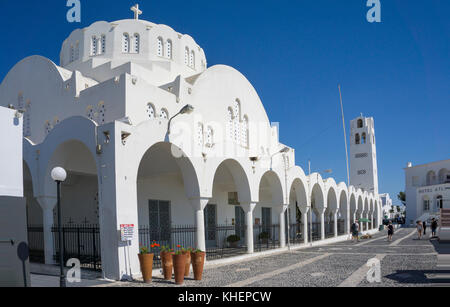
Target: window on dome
102	112
209	137
200	134
90	112
230	123
186	56
245	132
164	114
169	49
136	43
237	109
48	127
160	46
192	59
103	44
94	47
126	43
77	51
151	111
27	120
72	53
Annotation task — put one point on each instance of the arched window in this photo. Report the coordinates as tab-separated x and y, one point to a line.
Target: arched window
237	109
169	49
357	139
103	44
151	111
72	54
27	120
77	51
164	114
90	112
160	46
94	46
126	43
443	175
360	123
192	59
431	178
364	138
48	127
102	112
200	134
245	132
209	137
136	43
186	56
230	123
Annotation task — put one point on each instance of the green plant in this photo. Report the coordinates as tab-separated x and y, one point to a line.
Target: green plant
233	239
166	249
144	250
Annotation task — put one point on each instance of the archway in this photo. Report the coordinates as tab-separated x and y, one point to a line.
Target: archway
317	231
163	186
331	214
270	210
80	200
343	226
298	203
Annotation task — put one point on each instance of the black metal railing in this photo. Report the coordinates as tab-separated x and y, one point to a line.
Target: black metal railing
266	237
296	234
314	232
341	227
81	242
36	243
329	229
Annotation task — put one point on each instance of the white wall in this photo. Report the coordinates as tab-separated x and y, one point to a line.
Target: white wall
10	154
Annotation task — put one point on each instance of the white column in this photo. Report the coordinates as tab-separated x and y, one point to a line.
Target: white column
367	223
322	223
48	204
335	215
248	209
305	226
199	205
282	212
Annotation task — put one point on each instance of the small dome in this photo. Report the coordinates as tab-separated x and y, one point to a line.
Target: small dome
133	40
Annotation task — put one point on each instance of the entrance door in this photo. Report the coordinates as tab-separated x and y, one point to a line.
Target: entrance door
160	222
210	225
240	223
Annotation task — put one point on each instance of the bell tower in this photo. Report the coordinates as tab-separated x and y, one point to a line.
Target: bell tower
363	155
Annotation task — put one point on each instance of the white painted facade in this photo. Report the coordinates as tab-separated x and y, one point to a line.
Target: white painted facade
427	189
386	202
103	115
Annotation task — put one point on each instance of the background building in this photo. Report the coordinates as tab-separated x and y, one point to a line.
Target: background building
427	189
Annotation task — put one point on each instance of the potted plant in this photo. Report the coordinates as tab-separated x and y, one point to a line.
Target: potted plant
146	262
167	262
187	252
198	262
264	237
179	265
233	240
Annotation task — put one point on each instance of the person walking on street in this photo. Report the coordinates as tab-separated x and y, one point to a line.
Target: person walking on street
390	231
355	231
434	226
424	227
419	229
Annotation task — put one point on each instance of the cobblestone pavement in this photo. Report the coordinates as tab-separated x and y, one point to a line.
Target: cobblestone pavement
405	262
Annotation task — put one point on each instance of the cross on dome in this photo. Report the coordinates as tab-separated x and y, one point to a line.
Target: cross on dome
136	11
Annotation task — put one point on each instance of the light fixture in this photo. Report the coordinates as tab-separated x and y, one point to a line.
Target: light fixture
187	109
285	150
59	174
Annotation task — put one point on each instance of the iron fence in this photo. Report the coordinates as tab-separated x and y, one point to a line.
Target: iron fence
81	242
296	233
314	232
266	237
329	229
341	227
36	243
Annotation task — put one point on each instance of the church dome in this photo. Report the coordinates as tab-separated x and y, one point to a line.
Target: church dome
133	40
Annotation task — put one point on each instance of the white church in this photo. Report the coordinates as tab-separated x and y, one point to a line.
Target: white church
151	136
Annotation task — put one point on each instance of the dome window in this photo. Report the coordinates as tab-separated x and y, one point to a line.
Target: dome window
245	132
136	43
186	56
103	44
169	49
200	134
151	111
72	53
94	47
192	59
160	46
209	137
126	43
164	114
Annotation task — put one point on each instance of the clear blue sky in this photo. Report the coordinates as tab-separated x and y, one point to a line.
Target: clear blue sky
295	53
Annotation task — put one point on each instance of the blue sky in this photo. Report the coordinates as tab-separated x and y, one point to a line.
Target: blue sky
295	53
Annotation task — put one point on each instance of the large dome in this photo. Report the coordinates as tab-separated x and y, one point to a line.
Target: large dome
132	40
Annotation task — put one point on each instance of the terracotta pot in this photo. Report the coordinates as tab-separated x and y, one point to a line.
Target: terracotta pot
146	261
198	262
179	265
167	264
188	264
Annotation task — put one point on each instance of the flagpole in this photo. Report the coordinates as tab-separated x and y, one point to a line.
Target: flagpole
345	135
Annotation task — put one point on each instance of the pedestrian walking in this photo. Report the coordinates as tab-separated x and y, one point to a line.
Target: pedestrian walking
434	226
419	229
355	231
424	228
390	228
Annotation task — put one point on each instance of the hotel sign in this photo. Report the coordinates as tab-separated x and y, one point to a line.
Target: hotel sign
437	189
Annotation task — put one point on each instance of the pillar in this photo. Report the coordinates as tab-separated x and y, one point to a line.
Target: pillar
305	226
322	223
48	204
199	205
282	212
248	209
335	215
366	216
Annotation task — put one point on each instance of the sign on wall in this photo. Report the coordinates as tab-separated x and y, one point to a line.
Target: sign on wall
126	232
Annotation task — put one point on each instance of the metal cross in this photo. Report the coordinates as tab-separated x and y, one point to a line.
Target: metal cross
136	11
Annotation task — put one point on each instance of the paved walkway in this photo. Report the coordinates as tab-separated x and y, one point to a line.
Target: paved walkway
405	262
